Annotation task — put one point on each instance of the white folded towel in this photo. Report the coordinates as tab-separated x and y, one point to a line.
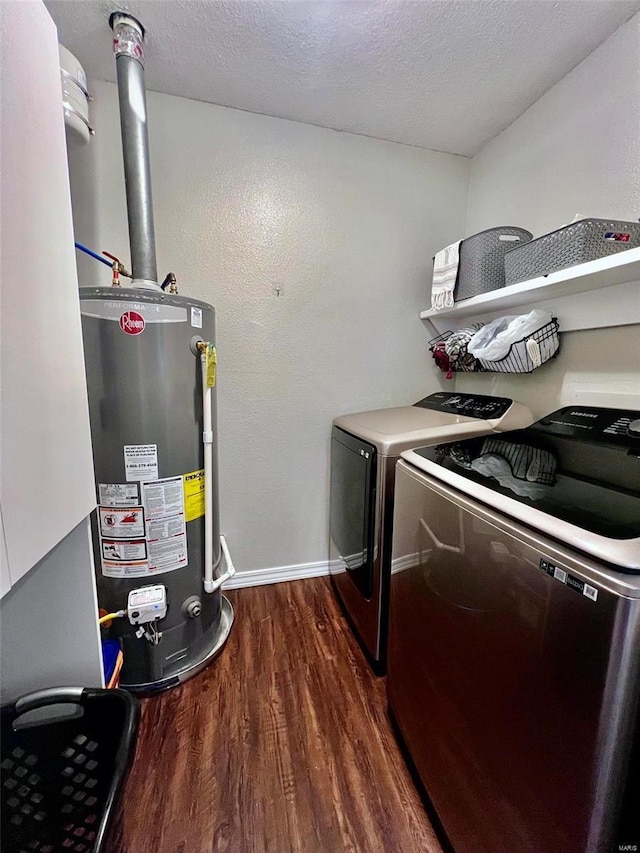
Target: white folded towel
445	273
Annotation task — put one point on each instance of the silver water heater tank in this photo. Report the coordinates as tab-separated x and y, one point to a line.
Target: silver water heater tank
146	407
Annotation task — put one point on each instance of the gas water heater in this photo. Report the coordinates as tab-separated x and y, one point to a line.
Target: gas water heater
151	363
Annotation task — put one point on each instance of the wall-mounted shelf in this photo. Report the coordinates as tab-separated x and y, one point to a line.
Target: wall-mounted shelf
598	294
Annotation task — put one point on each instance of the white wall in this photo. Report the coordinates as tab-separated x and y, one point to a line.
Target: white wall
49	635
345	225
576	150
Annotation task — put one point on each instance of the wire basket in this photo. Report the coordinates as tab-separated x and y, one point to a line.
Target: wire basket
523	357
463	363
574	244
61	773
528	354
439	339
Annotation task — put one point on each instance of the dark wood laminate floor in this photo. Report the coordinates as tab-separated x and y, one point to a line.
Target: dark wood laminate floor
281	746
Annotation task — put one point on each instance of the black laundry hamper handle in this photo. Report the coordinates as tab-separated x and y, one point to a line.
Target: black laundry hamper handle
118	707
42	698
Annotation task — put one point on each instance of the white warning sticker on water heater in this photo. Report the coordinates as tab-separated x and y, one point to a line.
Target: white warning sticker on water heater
141	541
163	502
117	494
123	545
196	317
122	553
121	522
140	462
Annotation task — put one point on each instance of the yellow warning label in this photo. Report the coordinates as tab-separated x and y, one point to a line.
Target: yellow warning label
193	495
212	366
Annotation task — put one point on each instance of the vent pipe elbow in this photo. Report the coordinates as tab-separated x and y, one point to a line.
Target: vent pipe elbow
128	46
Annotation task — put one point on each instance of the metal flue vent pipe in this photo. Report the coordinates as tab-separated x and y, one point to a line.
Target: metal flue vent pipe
128	40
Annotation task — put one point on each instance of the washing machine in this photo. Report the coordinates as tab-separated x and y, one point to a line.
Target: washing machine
514	645
365	447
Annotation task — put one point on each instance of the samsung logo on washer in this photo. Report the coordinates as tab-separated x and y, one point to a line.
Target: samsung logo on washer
583	414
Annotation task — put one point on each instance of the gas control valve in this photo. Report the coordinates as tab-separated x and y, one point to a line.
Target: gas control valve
146	604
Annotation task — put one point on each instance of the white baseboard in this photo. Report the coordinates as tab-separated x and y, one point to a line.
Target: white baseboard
409	561
281	574
277	574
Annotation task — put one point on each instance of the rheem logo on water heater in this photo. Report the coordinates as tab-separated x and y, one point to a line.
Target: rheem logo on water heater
132	323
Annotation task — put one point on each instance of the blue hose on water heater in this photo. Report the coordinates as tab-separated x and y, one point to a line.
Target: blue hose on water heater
93	254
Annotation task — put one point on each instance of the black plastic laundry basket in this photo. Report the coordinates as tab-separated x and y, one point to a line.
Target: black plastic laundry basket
64	756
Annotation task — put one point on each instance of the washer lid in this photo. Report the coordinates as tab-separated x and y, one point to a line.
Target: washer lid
574	475
439	417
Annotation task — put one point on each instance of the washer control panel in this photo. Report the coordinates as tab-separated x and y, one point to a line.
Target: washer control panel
470	405
607	426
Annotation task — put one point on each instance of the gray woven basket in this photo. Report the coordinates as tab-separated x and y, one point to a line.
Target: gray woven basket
481	266
574	244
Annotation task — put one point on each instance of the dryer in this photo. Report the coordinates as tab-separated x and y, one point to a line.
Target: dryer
514	645
365	447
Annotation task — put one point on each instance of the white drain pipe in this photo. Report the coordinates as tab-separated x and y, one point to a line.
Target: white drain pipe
210	585
231	569
207	441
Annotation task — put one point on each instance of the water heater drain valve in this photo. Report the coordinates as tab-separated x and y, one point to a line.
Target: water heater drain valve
192	607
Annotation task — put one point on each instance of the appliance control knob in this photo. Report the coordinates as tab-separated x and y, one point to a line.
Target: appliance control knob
634	428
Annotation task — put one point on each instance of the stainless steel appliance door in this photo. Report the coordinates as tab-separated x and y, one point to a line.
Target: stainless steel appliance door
353	467
514	691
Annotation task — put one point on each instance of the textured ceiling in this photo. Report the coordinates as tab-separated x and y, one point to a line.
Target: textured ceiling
442	74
